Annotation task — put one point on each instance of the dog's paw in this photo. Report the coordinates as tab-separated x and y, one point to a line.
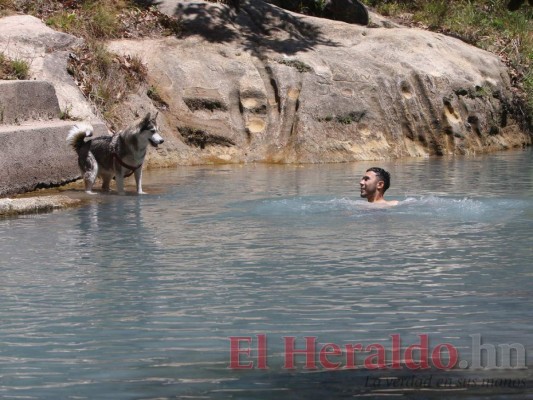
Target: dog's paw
90	192
139	193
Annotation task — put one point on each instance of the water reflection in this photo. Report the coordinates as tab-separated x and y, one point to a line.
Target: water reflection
135	297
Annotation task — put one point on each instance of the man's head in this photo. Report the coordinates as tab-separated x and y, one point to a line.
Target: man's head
374	183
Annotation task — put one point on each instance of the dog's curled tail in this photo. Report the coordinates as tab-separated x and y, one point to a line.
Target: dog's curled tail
77	135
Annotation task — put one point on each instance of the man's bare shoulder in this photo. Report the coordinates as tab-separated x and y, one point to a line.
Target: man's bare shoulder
385	203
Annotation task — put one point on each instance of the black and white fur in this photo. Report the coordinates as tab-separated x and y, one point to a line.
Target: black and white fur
114	156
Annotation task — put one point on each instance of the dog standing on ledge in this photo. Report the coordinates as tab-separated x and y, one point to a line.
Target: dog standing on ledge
116	156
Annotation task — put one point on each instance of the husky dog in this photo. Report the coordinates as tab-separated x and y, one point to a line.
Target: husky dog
116	156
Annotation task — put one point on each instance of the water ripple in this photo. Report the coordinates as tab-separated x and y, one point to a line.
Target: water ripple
135	297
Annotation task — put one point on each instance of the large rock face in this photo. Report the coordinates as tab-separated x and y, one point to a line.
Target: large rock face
269	85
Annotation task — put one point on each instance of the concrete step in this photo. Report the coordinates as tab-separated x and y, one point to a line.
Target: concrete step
35	155
22	101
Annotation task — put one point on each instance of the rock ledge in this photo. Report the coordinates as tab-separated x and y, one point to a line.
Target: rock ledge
32	205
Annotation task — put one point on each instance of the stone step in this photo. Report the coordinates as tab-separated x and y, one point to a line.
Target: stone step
22	101
35	155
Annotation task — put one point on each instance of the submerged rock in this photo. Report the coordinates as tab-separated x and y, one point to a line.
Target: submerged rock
32	205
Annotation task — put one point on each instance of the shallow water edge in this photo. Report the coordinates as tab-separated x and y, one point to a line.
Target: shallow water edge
135	297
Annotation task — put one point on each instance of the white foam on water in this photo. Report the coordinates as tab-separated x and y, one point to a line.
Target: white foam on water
298	206
484	209
445	206
419	207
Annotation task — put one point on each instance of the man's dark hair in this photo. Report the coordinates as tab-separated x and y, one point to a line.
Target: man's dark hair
382	176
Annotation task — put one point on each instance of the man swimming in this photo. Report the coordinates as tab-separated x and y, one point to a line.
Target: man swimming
374	184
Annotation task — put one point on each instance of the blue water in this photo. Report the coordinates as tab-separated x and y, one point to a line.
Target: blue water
136	297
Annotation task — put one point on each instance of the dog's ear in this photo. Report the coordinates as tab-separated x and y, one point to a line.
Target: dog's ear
144	122
147	118
155	116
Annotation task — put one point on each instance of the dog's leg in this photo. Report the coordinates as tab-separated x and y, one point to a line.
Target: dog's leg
90	173
89	177
119	178
138	180
106	180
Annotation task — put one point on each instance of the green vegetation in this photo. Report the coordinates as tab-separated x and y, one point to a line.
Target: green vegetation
484	23
13	68
478	92
299	65
65	114
64	21
481	92
93	19
312	7
154	94
347	119
344	119
102	19
5	7
196	104
200	138
105	78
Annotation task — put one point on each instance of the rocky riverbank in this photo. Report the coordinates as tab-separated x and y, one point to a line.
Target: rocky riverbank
263	85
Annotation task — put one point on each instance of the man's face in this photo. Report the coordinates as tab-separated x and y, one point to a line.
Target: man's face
369	184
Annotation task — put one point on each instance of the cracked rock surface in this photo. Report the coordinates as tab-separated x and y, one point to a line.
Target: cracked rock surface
283	87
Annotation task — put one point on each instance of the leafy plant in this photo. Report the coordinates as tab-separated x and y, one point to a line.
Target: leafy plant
390	9
312	7
66	115
105	78
171	26
433	12
200	138
528	86
11	69
153	93
21	69
299	65
196	104
102	18
66	21
351	117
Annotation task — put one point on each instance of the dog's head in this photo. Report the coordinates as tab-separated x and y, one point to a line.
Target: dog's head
148	128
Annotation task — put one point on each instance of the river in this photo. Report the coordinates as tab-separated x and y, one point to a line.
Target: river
134	297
